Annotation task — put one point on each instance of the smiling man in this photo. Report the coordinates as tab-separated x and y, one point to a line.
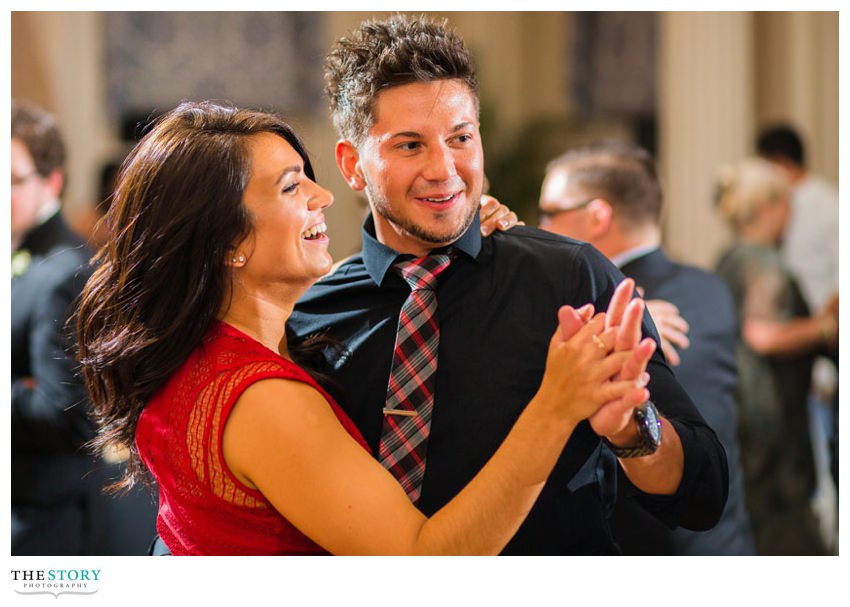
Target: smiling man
421	165
403	96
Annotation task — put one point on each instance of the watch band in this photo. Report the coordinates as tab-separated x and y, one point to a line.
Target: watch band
639	450
649	429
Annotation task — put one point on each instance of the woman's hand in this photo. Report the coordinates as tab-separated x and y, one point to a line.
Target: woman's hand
496	216
582	366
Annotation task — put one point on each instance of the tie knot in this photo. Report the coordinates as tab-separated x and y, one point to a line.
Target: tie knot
422	272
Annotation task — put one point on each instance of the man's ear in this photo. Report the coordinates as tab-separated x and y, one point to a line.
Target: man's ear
601	214
348	161
55	181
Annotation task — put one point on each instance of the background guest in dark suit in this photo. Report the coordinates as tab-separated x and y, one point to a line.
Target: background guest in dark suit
51	495
608	194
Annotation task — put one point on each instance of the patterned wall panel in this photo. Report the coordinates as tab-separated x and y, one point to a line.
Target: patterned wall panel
154	60
613	63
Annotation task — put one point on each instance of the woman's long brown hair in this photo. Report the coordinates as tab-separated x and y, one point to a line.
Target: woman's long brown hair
161	277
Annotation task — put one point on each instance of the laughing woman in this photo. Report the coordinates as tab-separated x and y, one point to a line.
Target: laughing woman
217	229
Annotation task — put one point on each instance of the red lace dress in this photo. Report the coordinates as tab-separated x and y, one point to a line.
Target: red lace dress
203	508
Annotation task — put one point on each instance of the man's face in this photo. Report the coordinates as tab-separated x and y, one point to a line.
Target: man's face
563	209
30	191
423	164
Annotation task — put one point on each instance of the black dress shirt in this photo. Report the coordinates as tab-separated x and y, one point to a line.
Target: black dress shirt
497	305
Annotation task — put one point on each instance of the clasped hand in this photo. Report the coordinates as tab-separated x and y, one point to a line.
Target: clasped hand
598	361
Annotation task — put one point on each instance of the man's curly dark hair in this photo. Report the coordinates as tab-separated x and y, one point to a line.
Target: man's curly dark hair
380	54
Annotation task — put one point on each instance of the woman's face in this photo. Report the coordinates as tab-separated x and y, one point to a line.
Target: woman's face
288	241
776	215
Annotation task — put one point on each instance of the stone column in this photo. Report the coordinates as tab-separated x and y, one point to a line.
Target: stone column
706	114
797	57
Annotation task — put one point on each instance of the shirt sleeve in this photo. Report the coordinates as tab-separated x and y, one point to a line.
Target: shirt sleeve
699	501
50	410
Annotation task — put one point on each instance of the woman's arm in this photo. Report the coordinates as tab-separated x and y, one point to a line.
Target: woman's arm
791	338
283	438
765	329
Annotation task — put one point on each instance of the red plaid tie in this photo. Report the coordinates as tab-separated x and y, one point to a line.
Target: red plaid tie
410	394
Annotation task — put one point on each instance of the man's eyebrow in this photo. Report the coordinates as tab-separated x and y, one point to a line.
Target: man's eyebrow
407	134
461	126
295	168
416	135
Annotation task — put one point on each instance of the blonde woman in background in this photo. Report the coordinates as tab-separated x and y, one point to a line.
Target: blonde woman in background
779	340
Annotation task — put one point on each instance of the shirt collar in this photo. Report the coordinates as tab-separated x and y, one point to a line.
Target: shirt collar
48	210
632	254
377	257
46	213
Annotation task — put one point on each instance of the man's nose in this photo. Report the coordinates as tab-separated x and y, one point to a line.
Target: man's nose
439	164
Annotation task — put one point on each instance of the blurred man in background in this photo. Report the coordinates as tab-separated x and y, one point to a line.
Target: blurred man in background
51	499
608	194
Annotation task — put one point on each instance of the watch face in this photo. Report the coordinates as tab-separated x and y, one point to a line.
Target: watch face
651	421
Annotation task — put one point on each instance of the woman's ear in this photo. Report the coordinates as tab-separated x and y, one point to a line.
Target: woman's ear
236	262
235	258
348	161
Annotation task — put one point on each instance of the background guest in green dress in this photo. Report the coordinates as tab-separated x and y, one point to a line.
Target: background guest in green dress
779	340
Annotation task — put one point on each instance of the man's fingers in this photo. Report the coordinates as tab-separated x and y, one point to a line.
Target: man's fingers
636	363
676	338
629	331
586	312
670	353
661	307
668	319
569	321
619	300
620	398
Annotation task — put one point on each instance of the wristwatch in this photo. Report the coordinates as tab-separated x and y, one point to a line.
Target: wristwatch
649	429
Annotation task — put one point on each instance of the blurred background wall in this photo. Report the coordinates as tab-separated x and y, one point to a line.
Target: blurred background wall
694	87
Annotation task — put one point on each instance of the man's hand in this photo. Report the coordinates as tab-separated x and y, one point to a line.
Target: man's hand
626	315
672	328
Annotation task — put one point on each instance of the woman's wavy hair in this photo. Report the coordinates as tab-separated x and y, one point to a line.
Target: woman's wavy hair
161	278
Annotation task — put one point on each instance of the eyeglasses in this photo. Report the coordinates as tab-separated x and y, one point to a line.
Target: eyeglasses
22	179
544	216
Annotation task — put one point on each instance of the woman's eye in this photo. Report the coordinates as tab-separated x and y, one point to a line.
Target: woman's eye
290	189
